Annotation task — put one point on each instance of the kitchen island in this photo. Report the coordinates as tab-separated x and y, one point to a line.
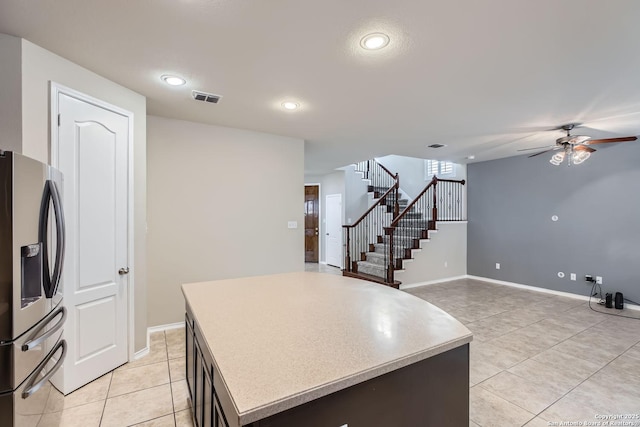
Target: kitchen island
311	349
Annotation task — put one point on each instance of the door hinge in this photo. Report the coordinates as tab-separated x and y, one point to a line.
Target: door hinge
58	119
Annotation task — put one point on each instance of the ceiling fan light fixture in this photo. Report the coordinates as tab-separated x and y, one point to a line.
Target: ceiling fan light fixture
557	158
580	139
579	157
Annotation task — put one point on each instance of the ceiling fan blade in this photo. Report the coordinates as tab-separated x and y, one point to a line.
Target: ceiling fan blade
542	152
537	148
584	148
609	140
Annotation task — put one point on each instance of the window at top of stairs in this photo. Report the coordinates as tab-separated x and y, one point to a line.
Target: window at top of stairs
436	167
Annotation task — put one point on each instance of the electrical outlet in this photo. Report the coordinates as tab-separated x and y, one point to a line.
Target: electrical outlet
573	276
446	264
497	266
599	280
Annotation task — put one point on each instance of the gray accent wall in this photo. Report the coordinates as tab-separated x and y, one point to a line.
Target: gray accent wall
511	203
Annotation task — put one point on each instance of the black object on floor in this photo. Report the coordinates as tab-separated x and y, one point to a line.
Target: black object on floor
619	300
608	302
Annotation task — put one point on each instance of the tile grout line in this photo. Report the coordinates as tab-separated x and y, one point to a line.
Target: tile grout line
570	390
531	358
104	407
583	381
173	404
546	349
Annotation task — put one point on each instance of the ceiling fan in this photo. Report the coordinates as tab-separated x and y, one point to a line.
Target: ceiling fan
575	148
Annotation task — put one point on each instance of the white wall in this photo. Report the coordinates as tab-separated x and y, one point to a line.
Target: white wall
219	201
447	245
10	94
30	113
412	173
357	199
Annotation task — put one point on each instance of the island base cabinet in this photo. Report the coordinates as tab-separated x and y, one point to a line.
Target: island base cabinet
205	408
189	356
432	392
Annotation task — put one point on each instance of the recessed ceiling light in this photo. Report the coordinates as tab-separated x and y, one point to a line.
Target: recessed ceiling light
290	105
374	41
173	80
471	157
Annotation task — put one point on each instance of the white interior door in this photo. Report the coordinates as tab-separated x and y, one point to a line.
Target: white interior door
93	154
334	229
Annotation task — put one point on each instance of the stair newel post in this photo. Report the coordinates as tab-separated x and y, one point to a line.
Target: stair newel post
347	257
434	210
396	206
390	267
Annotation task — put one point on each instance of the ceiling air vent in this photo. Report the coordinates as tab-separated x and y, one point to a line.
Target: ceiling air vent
206	97
436	145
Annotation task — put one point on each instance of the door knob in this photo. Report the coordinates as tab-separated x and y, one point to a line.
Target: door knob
123	271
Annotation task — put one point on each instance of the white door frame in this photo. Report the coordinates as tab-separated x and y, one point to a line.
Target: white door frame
320	223
55	90
340	237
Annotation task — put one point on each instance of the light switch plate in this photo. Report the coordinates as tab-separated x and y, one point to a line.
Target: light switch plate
292	224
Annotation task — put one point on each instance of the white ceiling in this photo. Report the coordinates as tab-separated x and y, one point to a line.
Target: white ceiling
484	77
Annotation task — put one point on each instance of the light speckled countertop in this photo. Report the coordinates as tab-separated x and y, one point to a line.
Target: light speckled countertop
282	340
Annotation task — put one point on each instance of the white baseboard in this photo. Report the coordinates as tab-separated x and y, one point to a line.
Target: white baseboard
141	353
152	329
166	327
432	282
543	290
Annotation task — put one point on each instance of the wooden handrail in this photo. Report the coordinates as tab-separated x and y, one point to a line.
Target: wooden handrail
462	181
386	170
383	197
394	223
434	181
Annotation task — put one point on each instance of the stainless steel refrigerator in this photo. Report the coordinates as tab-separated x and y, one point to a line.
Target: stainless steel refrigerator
31	312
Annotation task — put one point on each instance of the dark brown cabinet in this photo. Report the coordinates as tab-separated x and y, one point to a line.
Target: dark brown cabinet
189	356
431	392
205	407
218	415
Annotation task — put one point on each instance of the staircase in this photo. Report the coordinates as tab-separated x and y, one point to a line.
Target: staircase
386	235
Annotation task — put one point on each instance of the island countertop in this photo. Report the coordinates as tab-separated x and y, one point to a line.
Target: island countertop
281	340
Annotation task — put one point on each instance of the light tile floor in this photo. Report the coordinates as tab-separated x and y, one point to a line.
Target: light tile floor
322	268
536	359
151	391
539	359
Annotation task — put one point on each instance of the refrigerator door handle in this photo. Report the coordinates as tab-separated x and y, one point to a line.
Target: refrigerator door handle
43	227
51	194
31	388
60	238
36	339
